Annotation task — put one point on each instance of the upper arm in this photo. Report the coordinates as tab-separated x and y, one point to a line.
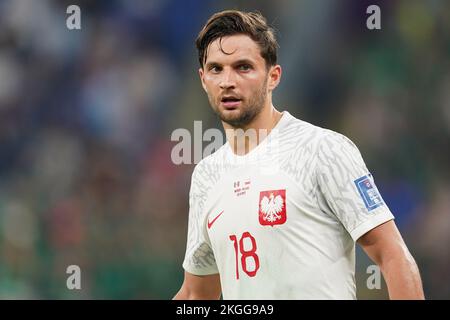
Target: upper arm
199	258
201	278
346	187
384	242
205	287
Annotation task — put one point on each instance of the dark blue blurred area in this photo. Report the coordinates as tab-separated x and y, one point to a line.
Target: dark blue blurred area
86	116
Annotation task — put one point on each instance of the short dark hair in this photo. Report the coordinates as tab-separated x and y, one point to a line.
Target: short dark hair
231	22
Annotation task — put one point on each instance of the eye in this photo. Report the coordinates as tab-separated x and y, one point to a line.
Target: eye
244	67
215	69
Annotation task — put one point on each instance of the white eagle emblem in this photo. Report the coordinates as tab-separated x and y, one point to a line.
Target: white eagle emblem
270	207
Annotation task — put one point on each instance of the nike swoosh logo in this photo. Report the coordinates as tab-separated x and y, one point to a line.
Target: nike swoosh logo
214	220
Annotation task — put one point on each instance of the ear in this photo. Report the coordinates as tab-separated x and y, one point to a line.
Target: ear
274	77
201	73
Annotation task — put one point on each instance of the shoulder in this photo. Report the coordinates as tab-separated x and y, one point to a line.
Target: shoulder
336	145
322	137
307	144
305	134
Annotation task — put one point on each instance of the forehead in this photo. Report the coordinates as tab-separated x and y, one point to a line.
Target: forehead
231	48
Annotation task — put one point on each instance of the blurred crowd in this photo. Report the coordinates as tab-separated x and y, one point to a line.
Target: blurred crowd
86	176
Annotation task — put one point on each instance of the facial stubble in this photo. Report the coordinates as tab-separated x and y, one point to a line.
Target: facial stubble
248	111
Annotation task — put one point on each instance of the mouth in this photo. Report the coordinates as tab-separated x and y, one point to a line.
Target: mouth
230	102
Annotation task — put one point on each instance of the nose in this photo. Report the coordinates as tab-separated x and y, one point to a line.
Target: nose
227	80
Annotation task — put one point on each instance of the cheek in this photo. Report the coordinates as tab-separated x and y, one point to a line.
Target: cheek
255	79
211	80
211	83
207	82
255	86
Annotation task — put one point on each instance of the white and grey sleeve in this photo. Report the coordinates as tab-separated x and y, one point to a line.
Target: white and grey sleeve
199	258
348	187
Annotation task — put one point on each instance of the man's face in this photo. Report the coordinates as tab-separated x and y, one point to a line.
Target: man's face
235	78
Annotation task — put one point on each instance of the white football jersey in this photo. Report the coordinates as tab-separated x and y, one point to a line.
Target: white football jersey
281	222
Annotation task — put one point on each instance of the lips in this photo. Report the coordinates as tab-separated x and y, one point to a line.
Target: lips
230	102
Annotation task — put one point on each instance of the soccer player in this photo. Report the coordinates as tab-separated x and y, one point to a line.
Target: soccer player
278	216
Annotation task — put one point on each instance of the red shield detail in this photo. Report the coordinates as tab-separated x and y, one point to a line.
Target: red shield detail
272	207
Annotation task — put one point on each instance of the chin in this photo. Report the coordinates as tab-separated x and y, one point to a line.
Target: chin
231	115
237	121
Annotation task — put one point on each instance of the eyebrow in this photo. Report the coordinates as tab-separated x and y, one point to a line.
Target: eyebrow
243	61
235	63
211	64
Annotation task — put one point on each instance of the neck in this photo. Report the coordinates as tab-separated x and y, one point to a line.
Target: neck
243	140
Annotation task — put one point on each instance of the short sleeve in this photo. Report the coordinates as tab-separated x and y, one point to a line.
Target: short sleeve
348	187
199	258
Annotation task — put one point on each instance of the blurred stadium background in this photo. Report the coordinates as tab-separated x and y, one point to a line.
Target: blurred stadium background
86	117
